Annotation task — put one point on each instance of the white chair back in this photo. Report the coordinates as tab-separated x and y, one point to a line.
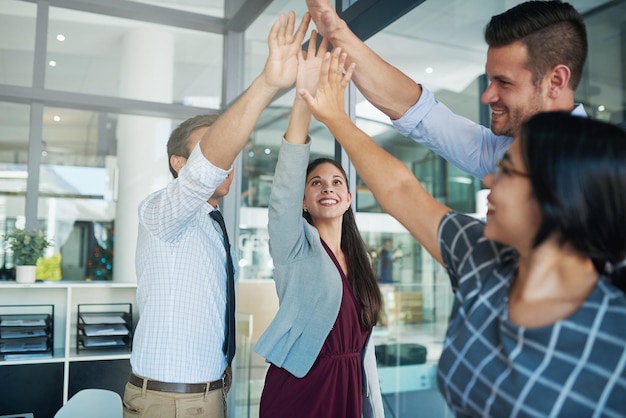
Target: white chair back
92	403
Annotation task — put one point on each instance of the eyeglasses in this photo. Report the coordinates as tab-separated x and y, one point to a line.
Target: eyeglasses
502	168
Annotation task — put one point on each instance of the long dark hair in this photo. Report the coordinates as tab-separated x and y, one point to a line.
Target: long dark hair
577	169
360	270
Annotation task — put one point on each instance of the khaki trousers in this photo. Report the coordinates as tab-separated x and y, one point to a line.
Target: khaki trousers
143	403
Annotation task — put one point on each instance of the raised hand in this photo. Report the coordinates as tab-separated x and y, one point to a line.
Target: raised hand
309	64
282	63
327	104
232	130
324	16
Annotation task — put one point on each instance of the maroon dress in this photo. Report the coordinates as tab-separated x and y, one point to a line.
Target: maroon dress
333	386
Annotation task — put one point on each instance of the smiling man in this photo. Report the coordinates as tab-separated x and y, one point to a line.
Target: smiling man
536	53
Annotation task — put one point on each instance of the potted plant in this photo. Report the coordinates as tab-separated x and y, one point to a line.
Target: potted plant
27	248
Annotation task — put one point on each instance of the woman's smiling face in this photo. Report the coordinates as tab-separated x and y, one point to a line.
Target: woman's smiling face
513	214
326	194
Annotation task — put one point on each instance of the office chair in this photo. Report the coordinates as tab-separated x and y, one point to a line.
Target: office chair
92	403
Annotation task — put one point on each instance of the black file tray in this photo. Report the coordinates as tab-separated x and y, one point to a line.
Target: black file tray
26	331
104	327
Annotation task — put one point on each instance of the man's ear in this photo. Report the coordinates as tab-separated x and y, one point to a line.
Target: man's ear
559	80
177	162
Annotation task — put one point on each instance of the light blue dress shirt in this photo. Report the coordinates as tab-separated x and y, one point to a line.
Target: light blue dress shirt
181	280
469	146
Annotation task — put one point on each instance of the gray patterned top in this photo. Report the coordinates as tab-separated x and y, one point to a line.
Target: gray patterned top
490	367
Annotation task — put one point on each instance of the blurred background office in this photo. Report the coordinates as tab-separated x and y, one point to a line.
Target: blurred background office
90	90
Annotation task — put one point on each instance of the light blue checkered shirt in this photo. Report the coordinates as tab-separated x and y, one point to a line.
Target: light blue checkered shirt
181	280
490	367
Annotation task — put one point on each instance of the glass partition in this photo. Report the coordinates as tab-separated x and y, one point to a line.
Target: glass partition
207	7
603	87
17	42
14	133
104	55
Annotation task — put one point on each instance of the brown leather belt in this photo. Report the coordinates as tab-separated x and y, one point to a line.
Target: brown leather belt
176	387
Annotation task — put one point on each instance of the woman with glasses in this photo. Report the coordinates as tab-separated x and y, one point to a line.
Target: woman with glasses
538	325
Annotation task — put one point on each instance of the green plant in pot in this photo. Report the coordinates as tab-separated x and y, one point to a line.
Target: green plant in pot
27	248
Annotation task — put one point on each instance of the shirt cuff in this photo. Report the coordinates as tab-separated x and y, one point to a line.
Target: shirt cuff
414	115
202	170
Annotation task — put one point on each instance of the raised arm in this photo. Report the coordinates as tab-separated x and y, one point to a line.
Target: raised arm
226	138
309	64
394	186
470	146
382	84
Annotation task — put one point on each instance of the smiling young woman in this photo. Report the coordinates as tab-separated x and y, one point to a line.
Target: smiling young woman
322	361
512	211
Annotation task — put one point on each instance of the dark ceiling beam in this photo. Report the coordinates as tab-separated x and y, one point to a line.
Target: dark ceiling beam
246	14
368	17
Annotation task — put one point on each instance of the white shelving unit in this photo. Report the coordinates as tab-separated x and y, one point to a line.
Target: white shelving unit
66	296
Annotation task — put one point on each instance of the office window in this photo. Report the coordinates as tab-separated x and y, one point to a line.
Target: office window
13	176
603	88
207	7
96	54
17	35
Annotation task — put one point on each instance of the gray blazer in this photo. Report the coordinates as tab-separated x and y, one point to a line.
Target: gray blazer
307	282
